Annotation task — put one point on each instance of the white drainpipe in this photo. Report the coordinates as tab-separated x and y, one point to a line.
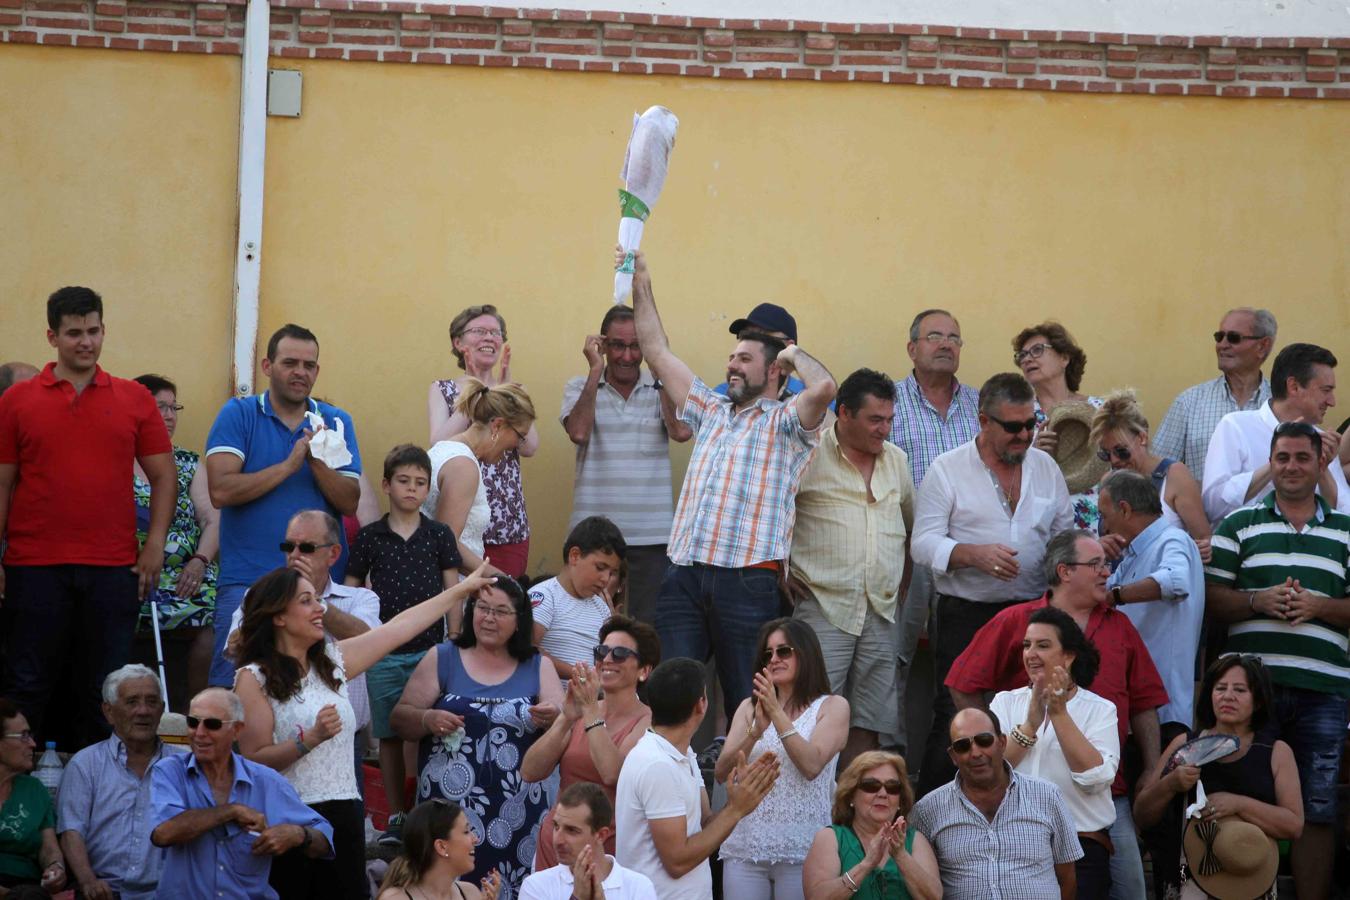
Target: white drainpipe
252	152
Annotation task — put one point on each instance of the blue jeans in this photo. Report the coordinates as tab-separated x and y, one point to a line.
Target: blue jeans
228	598
1313	725
1127	865
703	609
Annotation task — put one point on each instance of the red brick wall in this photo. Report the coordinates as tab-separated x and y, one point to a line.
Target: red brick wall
647	44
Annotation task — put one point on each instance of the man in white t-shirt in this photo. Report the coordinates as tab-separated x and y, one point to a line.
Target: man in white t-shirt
664	823
569	609
582	821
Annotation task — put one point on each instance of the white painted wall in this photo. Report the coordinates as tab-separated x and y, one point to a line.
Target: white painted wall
1249	18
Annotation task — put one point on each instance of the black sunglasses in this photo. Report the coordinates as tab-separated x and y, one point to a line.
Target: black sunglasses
1121	453
891	786
211	723
1234	337
782	651
1015	427
620	654
1301	429
984	740
305	546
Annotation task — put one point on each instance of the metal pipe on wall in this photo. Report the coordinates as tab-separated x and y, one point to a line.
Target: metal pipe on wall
252	155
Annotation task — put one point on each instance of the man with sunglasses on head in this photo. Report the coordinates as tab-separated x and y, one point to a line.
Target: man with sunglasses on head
984	515
220	817
994	827
1242	344
1278	578
1237	467
622	422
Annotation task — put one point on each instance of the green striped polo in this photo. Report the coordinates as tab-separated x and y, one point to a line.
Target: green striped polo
1254	548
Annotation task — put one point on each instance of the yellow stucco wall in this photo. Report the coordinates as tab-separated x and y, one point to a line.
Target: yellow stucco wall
405	193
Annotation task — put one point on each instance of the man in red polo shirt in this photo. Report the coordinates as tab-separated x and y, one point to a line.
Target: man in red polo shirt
72	578
1076	570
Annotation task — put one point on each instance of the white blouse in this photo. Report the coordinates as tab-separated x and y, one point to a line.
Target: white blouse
471	535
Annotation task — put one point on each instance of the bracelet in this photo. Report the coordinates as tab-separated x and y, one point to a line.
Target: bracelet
1251	602
309	838
300	744
598	723
206	562
1018	735
853	885
787	734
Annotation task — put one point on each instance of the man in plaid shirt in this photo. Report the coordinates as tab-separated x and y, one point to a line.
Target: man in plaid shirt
733	523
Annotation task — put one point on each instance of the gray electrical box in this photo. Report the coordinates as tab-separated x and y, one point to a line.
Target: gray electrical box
283	93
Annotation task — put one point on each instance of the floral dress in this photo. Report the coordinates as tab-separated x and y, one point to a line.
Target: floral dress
1085	513
184	535
506	497
478	766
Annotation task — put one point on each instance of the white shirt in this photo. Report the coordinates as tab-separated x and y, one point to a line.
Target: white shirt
360	603
572	624
556	884
1087	794
960	503
659	782
1240	446
480	514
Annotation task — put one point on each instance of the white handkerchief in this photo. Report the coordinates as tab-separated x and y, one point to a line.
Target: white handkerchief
1197	809
328	446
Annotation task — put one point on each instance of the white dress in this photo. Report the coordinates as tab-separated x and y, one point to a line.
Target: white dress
471	535
326	772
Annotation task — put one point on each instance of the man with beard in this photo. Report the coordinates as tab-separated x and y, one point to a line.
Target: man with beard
984	515
622	421
733	524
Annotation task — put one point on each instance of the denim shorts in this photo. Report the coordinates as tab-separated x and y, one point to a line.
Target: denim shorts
1313	724
384	683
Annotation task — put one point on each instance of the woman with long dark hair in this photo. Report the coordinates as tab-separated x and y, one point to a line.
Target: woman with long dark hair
438	850
299	720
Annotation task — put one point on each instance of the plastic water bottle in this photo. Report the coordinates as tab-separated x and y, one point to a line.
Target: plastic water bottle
49	770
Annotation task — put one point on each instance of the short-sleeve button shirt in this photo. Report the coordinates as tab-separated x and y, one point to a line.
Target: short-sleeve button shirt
404	573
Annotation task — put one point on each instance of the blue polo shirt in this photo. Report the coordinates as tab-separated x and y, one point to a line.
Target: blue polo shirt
221	863
249	428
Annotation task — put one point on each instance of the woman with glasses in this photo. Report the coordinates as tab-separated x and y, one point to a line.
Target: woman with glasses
593	736
1067	735
870	852
500	419
1054	364
792	714
478	341
476	705
299	720
1258	782
31	865
438	850
1120	432
185	598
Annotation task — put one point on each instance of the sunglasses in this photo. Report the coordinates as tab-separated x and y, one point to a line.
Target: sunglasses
1301	429
984	740
620	654
1234	337
305	547
1120	453
891	786
1015	427
212	723
782	651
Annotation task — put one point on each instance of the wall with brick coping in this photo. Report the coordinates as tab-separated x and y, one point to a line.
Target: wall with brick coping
656	44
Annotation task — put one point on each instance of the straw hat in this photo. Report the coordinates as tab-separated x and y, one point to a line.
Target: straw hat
1230	859
1077	458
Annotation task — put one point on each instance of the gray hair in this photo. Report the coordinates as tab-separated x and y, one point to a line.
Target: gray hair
130	672
1129	487
236	706
918	320
1264	324
1063	549
332	527
1006	387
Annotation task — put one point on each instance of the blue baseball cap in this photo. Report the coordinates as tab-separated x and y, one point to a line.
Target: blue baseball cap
768	317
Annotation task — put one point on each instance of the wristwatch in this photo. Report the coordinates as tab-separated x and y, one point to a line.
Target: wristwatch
309	838
1115	596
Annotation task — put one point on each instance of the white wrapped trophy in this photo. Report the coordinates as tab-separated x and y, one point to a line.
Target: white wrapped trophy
644	174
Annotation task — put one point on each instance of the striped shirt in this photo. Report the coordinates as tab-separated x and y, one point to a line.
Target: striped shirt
571	624
1255	548
1011	858
736	506
922	432
623	469
1191	419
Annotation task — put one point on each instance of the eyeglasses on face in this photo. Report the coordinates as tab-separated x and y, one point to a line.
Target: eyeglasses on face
1234	337
620	654
484	332
891	786
1120	453
1035	351
17	736
170	407
1014	427
937	337
1098	563
304	547
494	612
620	346
211	723
984	740
782	651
